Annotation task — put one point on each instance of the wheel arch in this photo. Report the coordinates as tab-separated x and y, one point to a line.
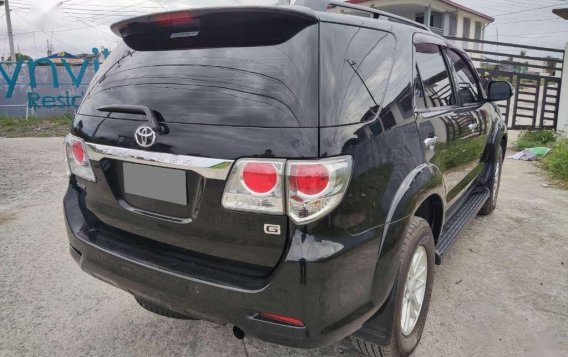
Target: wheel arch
423	184
432	210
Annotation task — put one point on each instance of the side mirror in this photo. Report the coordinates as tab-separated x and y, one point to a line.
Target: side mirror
499	90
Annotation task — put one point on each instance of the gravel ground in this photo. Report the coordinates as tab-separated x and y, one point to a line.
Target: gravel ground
502	289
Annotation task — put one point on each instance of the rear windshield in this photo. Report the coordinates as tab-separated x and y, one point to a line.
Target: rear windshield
265	86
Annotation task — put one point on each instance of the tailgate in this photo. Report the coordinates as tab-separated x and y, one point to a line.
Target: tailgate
213	102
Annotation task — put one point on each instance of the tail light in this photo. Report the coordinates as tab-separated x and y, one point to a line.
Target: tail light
314	189
306	190
255	186
77	158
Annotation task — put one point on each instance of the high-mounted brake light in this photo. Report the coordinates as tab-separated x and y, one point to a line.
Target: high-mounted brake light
77	158
172	19
307	190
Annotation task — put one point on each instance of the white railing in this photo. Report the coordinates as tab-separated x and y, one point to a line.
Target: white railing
437	30
18	105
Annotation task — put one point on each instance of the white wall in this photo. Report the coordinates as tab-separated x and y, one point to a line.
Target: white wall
563	109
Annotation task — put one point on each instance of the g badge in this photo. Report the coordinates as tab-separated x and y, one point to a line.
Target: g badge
272	229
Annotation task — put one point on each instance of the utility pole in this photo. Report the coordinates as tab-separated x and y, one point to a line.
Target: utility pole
10	33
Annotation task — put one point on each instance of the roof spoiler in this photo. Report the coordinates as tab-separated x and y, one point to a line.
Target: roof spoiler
213	27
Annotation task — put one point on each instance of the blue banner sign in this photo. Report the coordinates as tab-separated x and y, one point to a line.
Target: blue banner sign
46	86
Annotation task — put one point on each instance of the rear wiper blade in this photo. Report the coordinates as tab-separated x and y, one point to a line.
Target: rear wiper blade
133	109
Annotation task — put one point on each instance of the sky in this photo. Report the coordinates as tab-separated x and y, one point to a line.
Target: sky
76	26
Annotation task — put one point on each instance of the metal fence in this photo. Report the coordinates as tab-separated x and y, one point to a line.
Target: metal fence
536	75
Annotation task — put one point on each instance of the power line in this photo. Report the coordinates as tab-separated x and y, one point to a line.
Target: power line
96	28
47	34
161	5
518	12
525	21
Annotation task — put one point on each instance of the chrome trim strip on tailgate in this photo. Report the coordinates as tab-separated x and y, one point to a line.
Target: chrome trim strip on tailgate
217	169
142	212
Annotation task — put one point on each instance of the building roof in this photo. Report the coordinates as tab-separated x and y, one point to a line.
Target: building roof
563	13
447	2
62	55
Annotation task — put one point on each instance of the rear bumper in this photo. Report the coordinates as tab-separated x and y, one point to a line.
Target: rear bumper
332	296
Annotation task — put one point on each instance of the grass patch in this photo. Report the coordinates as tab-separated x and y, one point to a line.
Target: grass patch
556	162
535	138
36	127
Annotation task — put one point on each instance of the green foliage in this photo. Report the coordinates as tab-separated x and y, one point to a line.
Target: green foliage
40	127
535	138
556	162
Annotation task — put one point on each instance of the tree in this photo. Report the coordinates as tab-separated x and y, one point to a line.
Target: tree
19	57
551	66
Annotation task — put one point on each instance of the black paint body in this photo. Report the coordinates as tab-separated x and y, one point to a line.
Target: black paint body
333	274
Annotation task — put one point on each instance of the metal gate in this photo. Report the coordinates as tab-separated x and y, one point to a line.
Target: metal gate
535	77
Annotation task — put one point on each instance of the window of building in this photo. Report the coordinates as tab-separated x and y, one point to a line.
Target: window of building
466	27
435	77
478	29
420	19
453	25
467	82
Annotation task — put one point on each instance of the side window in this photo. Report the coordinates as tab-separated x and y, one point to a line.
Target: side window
435	76
468	84
355	68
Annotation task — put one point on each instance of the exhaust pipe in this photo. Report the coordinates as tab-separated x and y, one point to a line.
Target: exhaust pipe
239	334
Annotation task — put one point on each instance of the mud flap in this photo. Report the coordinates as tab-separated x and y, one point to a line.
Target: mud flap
378	329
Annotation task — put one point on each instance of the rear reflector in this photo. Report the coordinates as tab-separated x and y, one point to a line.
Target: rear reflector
283	320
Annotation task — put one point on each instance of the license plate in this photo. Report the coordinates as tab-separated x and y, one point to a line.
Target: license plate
158	183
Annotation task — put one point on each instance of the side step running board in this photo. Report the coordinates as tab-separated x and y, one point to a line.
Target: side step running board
454	225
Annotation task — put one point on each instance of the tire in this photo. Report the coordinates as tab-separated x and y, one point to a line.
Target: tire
493	185
402	343
161	311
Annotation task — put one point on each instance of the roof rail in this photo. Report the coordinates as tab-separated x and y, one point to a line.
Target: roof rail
324	5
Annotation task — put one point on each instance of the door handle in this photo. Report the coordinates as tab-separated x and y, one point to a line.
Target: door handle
472	126
430	142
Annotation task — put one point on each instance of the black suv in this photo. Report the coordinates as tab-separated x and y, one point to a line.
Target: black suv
295	171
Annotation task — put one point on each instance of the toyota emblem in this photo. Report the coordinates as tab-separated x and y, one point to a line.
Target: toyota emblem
145	136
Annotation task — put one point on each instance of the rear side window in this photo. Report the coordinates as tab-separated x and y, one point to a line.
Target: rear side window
355	68
467	81
268	85
434	74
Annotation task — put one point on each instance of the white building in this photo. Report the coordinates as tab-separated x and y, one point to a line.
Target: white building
444	17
